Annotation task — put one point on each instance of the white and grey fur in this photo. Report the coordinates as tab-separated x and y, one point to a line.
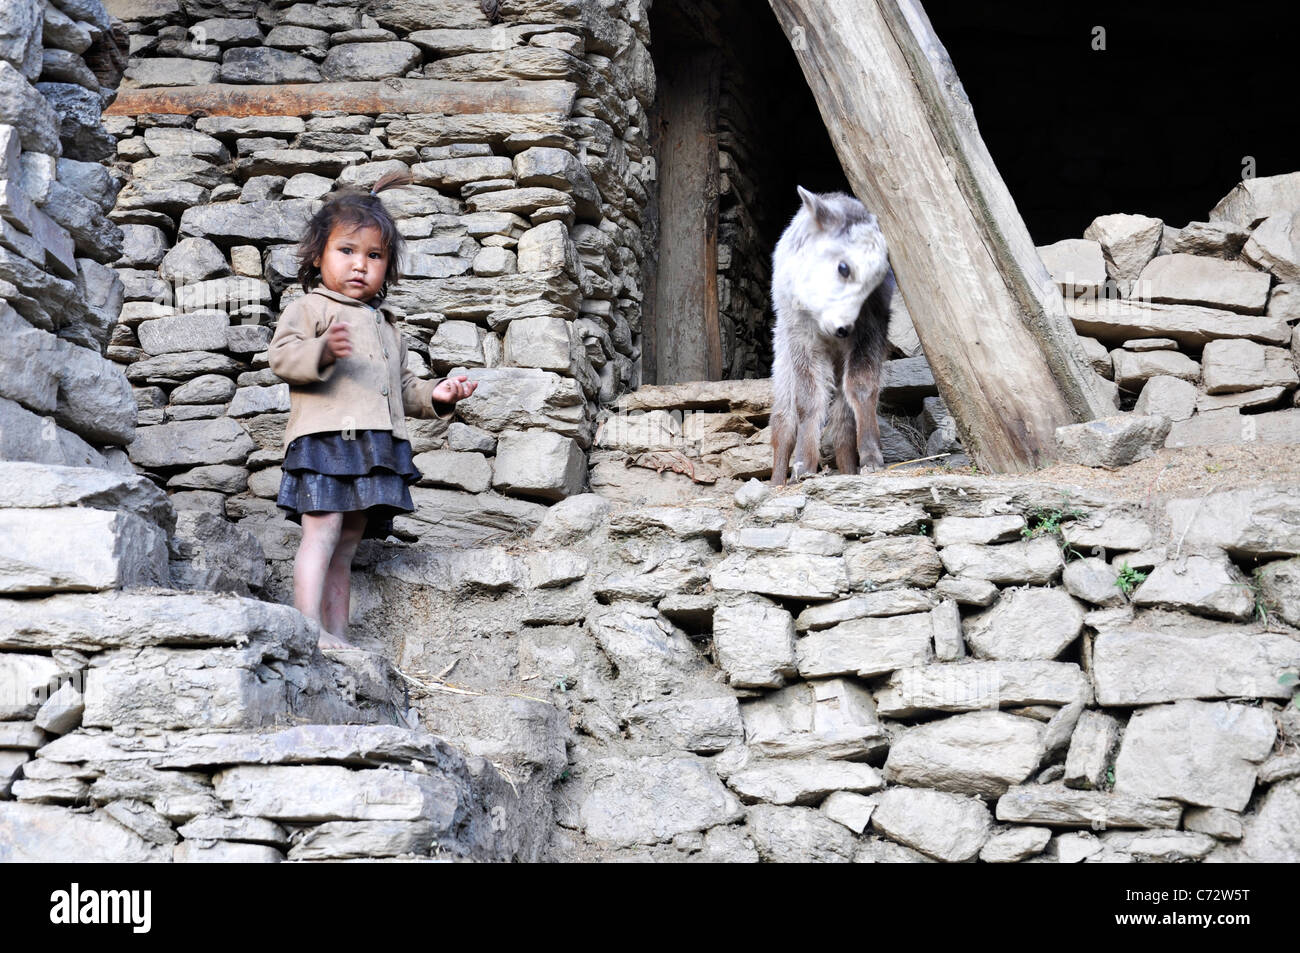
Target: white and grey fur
831	289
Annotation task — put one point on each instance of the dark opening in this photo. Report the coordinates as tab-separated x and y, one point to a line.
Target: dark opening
1158	123
769	137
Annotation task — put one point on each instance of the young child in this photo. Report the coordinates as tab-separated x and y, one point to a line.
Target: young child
347	462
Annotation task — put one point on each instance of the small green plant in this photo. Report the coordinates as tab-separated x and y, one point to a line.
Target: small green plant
1110	778
1263	608
1213	467
1129	579
1047	522
1291	679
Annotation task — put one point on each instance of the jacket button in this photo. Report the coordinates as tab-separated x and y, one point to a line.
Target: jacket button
377	318
385	390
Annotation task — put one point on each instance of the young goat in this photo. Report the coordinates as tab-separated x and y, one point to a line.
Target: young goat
831	289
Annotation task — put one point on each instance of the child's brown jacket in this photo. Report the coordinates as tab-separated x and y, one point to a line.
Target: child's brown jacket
370	389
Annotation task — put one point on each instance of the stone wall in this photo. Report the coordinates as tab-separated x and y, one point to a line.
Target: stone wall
522	228
60	400
1194	324
142	723
878	669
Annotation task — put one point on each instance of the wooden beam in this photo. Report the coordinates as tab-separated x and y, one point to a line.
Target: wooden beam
688	342
433	96
1004	355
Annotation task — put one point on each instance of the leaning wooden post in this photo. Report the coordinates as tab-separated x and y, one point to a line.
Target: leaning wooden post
993	326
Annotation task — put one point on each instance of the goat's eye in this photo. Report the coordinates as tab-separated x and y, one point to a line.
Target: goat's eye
845	271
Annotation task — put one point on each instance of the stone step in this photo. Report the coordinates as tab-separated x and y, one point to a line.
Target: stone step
312	792
160	658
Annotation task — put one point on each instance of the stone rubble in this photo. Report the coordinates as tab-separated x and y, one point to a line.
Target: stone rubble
1184	321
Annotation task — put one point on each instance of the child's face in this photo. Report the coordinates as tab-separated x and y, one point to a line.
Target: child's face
354	262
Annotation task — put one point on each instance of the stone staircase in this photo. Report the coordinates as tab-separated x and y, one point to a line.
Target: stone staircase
140	722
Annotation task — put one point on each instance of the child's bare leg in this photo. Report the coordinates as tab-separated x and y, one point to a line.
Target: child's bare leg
337	598
320	537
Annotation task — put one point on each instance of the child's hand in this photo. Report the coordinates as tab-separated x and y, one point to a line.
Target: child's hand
338	341
453	389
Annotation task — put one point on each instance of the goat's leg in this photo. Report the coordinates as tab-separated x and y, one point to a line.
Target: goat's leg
807	454
783	433
862	391
843	436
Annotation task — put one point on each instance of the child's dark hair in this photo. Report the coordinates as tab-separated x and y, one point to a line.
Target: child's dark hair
358	209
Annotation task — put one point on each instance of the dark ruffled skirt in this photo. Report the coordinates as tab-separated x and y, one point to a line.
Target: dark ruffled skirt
325	473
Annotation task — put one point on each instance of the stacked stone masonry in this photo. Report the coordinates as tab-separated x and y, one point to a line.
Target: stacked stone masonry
1193	325
522	229
141	722
876	669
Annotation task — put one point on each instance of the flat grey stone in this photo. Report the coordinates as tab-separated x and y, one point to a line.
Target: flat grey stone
1112	441
867	647
886	602
1210	282
893	561
833	718
948	827
1203	753
1014	845
1147	664
305	793
802	781
1032	562
648	800
1257	521
972	685
980	530
701	725
1114	322
1207	585
1025	624
247	64
982	752
967	591
71	549
798	835
1060	806
1232	366
42	833
348	62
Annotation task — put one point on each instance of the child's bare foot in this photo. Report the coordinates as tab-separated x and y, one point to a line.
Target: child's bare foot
330	641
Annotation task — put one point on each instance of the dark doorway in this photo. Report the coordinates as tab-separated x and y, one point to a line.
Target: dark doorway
728	79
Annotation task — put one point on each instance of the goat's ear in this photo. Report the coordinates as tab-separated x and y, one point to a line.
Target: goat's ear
816	207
